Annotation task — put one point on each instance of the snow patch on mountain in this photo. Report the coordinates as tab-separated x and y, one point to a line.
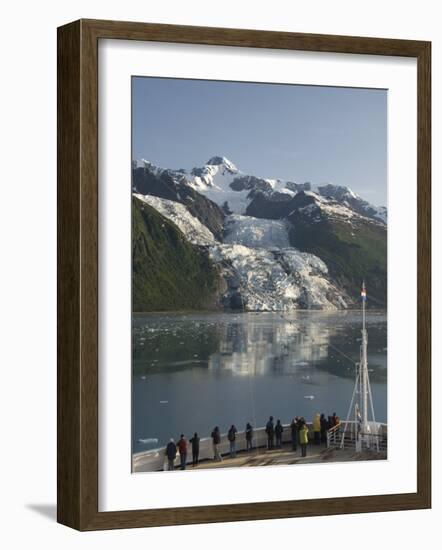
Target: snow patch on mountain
331	208
223	161
191	227
352	200
281	186
214	181
223	183
380	213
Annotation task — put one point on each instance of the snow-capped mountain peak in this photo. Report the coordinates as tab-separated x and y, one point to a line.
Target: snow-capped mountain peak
236	192
222	161
337	192
262	234
144	163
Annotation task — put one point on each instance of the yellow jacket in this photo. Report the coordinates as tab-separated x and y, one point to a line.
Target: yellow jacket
303	435
317	423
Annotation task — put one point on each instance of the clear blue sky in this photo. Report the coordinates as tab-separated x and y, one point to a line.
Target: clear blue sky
300	133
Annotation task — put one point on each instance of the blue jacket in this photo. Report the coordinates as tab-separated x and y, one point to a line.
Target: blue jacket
171	450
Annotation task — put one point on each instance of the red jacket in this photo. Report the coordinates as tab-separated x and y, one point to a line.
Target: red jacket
182	446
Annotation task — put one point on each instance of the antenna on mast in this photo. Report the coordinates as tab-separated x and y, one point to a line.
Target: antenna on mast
365	429
364	366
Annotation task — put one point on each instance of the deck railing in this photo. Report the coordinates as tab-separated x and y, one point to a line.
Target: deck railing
341	436
344	435
154	460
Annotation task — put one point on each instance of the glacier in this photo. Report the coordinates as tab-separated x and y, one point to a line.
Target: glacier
261	271
256	232
275	280
194	231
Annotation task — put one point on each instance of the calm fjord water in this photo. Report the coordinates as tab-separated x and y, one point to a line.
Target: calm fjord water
194	371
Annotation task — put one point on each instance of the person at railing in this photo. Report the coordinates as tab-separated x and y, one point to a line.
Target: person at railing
171	454
303	439
216	440
324	428
182	447
270	431
294	427
278	433
195	442
231	436
333	420
317	428
249	437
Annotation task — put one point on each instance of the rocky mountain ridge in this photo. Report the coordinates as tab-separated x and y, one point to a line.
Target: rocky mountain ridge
274	244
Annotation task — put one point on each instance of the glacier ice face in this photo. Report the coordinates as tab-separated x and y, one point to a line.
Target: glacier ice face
256	232
277	279
262	272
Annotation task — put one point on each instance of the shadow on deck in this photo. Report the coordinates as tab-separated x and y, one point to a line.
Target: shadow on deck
285	455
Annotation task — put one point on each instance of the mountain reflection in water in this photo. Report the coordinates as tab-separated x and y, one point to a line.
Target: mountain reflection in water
194	371
260	345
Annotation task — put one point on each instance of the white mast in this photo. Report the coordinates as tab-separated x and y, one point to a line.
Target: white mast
365	430
363	367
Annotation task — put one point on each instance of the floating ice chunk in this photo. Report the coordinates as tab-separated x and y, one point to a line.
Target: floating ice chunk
148	441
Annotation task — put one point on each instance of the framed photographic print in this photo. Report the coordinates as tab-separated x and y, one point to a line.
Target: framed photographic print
243	275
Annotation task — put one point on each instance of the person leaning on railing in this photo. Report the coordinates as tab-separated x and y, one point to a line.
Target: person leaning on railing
294	427
216	440
278	433
195	442
270	431
303	439
231	436
171	451
249	437
324	428
182	448
317	428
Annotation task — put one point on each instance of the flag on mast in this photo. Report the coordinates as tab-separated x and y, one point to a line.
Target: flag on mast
363	292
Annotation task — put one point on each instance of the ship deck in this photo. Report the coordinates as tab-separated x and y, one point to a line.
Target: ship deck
286	456
155	460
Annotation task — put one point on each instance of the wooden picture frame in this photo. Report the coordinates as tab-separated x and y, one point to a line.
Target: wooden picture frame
78	273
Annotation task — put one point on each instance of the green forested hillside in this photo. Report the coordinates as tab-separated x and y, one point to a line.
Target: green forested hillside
352	254
168	273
